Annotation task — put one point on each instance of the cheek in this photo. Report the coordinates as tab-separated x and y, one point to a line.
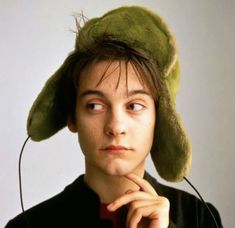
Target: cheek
147	130
89	131
87	139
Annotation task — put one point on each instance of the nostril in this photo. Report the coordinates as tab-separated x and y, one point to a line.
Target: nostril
112	132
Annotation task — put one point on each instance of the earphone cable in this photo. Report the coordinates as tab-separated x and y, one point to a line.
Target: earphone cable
20	181
205	204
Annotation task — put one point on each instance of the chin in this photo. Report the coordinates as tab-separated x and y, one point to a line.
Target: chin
120	169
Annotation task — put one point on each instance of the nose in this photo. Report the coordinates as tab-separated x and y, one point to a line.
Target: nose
115	125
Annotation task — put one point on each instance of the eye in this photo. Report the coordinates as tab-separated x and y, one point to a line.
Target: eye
95	107
135	106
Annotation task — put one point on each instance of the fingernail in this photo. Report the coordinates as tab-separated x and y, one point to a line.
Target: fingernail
110	207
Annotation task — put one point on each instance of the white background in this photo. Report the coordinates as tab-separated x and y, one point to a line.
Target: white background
35	38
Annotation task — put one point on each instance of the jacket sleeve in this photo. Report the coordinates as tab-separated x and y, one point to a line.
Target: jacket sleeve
17	223
215	216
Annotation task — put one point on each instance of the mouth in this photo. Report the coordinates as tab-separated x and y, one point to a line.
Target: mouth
116	149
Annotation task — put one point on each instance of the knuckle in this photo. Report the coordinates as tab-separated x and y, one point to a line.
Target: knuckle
137	212
133	206
166	202
145	182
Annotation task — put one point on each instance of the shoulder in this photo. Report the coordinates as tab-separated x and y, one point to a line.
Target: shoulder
185	208
59	208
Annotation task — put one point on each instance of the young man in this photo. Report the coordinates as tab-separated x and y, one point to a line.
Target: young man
116	91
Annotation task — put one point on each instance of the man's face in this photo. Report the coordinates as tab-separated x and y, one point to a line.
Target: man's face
114	119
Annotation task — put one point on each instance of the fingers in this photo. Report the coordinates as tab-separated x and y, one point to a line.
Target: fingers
145	207
143	184
147	193
154	211
137	212
128	198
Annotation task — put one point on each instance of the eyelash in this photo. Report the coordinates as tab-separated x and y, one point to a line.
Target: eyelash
140	106
130	107
91	106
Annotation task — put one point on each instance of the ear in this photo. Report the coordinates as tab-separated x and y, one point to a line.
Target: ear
71	124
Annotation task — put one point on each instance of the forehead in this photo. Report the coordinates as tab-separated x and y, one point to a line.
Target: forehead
114	75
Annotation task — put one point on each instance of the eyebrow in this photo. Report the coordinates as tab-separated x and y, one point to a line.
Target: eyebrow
101	94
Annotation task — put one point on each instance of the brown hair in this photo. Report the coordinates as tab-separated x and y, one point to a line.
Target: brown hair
110	50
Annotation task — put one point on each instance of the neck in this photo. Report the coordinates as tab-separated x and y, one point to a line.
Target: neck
110	187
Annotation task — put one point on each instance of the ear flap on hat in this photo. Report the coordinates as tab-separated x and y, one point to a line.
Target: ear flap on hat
171	151
48	113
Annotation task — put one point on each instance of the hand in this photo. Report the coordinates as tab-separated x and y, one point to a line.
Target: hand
145	207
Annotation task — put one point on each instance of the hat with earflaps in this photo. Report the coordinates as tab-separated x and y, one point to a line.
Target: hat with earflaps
142	29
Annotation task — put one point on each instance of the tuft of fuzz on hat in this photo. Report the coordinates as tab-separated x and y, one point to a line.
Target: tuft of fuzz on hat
138	28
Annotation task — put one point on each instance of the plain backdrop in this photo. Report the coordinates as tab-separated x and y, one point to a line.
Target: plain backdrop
36	36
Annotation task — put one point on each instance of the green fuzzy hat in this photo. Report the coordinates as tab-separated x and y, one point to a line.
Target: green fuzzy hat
142	29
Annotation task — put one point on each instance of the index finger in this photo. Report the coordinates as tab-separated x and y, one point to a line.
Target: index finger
142	183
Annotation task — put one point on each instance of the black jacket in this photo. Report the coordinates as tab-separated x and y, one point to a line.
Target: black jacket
78	206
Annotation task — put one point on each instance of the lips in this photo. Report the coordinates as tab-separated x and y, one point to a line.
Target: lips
116	148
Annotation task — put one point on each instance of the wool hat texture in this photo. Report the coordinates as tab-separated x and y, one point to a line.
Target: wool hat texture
139	28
